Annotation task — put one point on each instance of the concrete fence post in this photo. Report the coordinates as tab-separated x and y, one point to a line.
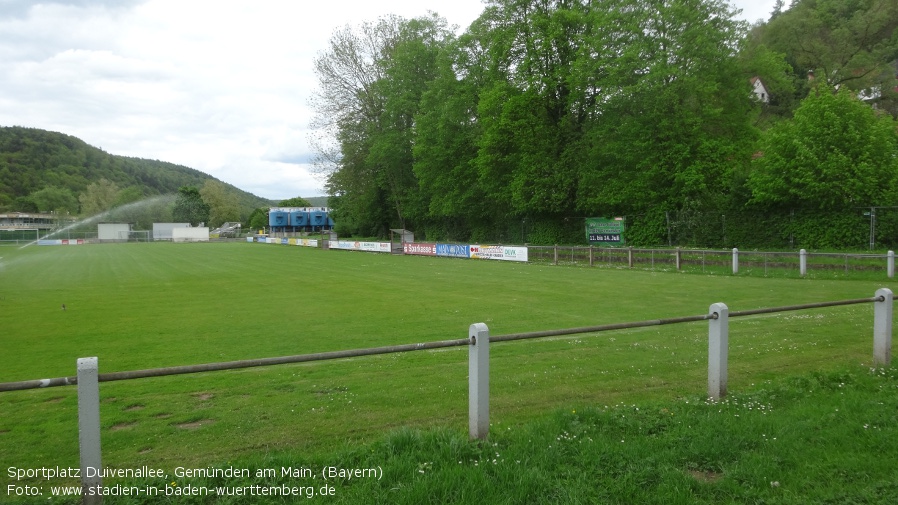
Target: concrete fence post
803	262
678	258
630	256
555	262
882	328
89	430
479	381
890	264
735	261
590	256
718	349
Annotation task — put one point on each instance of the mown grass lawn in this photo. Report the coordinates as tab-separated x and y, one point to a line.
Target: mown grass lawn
140	306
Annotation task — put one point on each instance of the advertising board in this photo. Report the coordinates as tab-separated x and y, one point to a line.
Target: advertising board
498	252
604	231
453	250
419	248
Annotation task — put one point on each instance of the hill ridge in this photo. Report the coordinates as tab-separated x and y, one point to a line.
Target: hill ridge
33	160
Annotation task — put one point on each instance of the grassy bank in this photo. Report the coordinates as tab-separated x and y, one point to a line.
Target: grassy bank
812	438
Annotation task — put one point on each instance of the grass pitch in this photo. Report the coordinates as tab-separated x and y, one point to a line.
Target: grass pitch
139	306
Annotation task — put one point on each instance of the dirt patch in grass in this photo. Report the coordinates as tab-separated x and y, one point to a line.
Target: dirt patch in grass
121	426
195	424
203	396
706	476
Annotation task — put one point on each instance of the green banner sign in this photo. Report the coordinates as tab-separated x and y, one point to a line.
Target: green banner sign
603	231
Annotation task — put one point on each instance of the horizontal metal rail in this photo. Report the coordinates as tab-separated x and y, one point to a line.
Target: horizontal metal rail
352	353
604	327
232	365
788	308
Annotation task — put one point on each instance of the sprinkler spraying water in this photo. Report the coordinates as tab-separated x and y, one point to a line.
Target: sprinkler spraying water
156	208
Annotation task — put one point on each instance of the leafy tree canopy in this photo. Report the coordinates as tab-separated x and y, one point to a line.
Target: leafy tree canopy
295	202
190	207
836	153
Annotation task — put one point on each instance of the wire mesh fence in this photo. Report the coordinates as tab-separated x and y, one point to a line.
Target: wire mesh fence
711	261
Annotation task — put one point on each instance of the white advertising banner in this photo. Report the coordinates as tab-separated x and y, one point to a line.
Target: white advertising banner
304	242
348	245
499	252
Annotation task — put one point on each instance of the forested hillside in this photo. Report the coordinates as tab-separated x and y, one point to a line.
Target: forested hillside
48	171
546	112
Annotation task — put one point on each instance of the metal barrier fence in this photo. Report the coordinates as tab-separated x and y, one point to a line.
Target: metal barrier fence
478	342
713	260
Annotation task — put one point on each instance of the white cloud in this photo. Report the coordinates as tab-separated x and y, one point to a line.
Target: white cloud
220	86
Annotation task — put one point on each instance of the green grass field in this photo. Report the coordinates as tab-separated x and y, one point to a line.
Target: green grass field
139	306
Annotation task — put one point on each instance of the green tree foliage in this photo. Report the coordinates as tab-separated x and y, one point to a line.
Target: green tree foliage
544	111
845	43
190	207
674	110
221	202
836	153
99	197
258	220
55	199
295	202
371	83
128	195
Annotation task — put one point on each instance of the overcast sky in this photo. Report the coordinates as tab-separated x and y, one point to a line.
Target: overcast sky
221	86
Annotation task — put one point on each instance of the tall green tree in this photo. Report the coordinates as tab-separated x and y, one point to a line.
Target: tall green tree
837	153
257	220
55	199
673	109
370	84
189	207
221	202
532	115
99	197
447	129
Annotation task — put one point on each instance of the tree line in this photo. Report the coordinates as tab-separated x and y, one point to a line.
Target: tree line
545	112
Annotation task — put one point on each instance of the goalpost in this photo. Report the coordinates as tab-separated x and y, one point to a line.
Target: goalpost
134	236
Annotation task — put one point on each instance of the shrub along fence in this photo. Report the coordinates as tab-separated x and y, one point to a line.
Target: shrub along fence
478	342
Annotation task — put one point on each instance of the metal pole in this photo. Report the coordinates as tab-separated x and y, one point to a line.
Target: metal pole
882	328
873	229
479	381
89	430
718	347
